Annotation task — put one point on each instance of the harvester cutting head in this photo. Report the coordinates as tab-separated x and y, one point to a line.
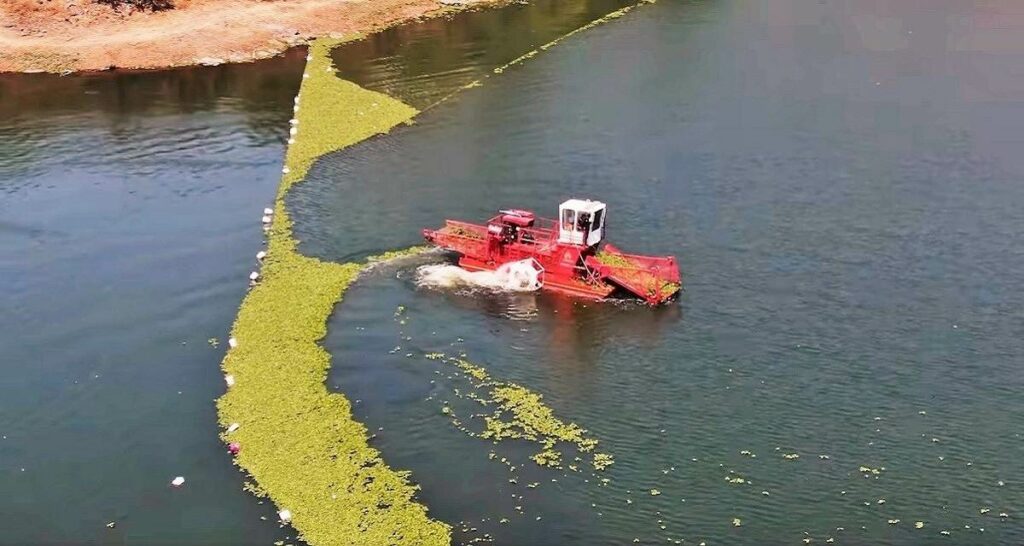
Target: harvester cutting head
654	279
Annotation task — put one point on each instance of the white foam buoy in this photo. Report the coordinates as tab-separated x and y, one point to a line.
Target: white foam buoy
285	515
232	342
178	481
291	141
293	131
296	99
254	276
293	121
233	427
266	219
304	76
268	210
285	170
260	255
230	380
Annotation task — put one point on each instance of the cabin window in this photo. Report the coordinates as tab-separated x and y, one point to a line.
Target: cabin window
598	216
583	221
568	219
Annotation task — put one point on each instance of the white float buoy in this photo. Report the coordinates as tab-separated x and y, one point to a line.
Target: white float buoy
266	219
178	481
285	170
268	210
293	121
285	515
232	342
254	276
261	254
233	427
293	131
304	76
291	141
230	380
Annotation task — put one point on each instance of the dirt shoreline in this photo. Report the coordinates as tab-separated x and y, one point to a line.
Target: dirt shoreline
197	32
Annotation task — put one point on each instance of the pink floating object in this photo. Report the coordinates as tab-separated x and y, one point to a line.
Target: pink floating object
234	448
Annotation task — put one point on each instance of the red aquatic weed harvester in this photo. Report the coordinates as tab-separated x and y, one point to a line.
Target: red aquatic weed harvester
567	255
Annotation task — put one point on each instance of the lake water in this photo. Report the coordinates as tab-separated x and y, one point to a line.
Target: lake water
840	180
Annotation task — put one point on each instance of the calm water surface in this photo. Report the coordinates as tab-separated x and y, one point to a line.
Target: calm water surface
129	217
840	180
842	184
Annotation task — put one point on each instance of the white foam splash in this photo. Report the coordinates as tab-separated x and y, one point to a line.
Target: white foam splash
513	277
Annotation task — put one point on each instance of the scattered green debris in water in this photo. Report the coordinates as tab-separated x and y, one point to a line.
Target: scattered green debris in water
521	414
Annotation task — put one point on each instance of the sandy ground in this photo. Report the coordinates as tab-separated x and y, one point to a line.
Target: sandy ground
76	35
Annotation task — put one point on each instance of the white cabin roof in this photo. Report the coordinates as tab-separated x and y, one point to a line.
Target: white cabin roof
583	205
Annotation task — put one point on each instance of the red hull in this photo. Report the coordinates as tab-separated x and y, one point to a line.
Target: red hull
565	285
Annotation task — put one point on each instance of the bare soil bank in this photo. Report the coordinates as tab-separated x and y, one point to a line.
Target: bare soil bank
76	35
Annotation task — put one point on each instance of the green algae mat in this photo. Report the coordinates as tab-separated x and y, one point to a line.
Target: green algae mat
300	444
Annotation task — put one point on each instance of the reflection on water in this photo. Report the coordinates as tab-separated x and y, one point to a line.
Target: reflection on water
424	62
84	121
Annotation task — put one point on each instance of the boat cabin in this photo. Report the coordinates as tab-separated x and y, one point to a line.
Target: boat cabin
581	222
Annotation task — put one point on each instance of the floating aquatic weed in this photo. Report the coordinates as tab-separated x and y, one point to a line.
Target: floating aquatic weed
737	522
918	525
602	461
281	320
736	479
521	414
